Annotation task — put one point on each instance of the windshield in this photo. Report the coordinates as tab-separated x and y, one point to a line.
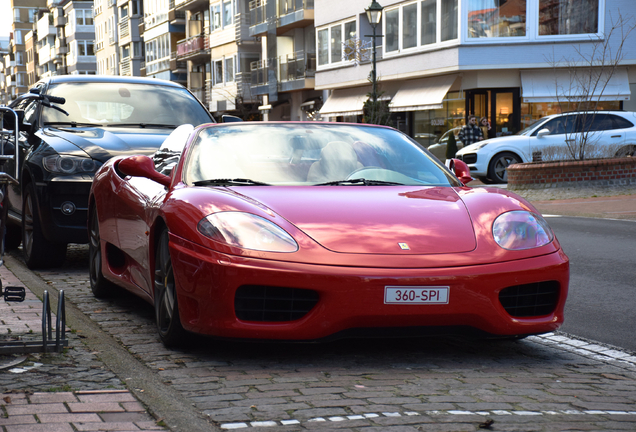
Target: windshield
527	130
112	104
310	154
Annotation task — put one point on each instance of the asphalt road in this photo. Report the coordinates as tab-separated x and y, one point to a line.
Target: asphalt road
602	301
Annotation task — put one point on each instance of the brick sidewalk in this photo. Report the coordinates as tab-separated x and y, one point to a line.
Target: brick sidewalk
58	411
101	410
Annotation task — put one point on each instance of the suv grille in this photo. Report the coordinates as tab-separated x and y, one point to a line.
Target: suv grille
528	300
273	304
469	158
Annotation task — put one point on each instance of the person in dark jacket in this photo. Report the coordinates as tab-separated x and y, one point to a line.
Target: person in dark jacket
471	132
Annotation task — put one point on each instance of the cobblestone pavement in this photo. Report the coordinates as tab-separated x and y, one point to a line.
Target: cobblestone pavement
553	382
545	383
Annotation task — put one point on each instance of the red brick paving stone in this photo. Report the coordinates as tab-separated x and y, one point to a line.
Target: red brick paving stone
13	399
55	427
111	396
17	420
111	426
52	397
36	409
149	425
79	407
68	418
133	407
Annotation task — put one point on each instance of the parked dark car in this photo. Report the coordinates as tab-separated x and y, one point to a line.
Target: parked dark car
69	126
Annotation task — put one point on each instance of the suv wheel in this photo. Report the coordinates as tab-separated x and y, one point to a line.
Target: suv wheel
498	168
38	251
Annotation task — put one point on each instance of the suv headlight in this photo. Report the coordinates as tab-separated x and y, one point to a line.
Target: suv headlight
60	164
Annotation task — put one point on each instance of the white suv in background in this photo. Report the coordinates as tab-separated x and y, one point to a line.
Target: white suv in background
488	159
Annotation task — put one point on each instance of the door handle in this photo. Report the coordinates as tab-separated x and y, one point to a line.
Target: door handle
616	136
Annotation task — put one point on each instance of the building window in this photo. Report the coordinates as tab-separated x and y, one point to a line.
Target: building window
392	28
229	70
218	72
496	18
83	17
429	22
449	20
409	26
228	16
565	17
323	47
158	54
215	10
335	43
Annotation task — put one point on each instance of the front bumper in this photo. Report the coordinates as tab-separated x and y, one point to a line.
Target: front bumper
475	163
57	226
351	299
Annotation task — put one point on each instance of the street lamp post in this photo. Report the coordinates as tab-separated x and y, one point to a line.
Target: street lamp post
374	14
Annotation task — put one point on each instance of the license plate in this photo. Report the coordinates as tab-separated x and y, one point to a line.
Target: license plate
416	295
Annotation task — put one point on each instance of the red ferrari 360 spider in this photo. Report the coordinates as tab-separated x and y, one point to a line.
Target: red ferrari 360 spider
309	231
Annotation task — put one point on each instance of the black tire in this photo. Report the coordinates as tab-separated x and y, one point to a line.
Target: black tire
38	252
12	237
497	169
101	287
167	315
628	150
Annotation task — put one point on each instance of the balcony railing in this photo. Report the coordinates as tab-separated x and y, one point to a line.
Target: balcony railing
295	66
125	67
124	27
289	6
258	13
298	65
190	46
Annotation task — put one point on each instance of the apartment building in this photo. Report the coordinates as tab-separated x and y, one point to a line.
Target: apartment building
5	81
440	60
25	13
284	77
162	26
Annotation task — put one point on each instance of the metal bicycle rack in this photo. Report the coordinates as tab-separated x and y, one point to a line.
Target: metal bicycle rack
17	294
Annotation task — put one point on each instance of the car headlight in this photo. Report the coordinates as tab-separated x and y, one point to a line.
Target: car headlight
518	230
481	145
60	164
247	231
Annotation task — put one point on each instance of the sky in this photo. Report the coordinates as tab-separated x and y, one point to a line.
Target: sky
5	17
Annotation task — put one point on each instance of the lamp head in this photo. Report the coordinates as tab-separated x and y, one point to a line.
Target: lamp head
374	13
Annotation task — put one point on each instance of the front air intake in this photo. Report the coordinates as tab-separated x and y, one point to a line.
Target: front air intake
273	304
529	300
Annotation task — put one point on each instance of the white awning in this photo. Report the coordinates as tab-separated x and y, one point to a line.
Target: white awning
549	85
422	94
347	101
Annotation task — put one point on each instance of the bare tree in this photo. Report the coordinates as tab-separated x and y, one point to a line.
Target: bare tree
589	74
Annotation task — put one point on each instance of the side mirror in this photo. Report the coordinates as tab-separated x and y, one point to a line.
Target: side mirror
543	132
461	171
142	166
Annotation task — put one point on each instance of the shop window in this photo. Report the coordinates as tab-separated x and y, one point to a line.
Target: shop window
564	17
498	18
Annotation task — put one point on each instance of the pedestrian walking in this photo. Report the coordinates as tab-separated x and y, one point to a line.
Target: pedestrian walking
471	132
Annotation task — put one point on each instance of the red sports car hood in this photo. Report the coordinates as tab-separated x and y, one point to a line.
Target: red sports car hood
375	219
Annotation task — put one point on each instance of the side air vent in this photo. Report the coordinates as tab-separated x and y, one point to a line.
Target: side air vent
535	299
273	304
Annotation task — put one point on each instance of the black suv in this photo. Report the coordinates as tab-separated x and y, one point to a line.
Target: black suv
68	127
